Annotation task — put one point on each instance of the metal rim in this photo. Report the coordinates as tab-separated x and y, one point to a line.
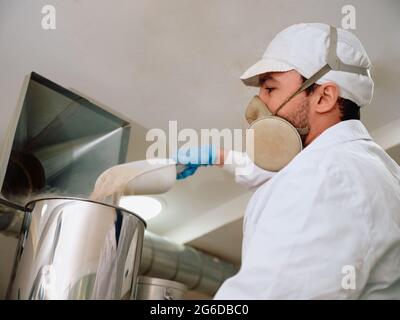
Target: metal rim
85	200
159	282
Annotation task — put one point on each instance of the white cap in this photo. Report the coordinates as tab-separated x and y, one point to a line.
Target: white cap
304	47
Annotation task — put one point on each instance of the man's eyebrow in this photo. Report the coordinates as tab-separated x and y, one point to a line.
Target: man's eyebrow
270	79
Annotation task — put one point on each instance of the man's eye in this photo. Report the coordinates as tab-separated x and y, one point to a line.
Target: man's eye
269	89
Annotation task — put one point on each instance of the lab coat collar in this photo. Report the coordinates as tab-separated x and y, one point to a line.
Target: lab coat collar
341	132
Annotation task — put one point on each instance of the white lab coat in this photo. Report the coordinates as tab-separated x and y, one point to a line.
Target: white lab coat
327	226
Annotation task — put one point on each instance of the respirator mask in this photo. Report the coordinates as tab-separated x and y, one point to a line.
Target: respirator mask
276	141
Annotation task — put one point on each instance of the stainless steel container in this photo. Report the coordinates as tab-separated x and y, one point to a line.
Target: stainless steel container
149	288
77	249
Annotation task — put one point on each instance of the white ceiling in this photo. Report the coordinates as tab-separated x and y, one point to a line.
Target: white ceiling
155	61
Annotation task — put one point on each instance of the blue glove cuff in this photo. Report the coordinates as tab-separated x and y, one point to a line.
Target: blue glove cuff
211	152
203	156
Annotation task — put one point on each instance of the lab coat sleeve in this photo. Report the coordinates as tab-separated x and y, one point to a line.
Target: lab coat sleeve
308	242
246	173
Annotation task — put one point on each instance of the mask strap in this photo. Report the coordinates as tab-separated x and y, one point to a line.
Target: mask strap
333	63
306	84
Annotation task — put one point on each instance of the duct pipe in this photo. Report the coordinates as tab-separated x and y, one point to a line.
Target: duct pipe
200	272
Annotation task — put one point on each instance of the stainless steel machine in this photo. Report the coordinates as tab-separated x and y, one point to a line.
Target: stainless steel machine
69	247
77	249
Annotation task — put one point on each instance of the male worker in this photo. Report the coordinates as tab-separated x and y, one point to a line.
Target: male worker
327	224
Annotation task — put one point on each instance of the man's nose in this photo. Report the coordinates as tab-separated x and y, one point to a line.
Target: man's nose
263	97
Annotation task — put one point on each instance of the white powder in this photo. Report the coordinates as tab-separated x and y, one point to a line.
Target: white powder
111	184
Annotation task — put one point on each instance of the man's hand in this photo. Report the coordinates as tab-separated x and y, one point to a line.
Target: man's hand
193	158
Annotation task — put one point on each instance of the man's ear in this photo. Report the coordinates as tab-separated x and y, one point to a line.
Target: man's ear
327	95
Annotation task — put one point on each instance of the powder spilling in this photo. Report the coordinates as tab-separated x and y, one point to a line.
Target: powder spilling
112	183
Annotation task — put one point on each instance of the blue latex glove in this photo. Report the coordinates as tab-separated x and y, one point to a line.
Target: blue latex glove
193	158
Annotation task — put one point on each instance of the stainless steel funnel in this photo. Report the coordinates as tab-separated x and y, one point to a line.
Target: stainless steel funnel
62	142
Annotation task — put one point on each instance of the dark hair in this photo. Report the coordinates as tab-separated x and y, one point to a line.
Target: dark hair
349	110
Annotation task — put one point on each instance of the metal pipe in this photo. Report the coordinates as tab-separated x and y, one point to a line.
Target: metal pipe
199	271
